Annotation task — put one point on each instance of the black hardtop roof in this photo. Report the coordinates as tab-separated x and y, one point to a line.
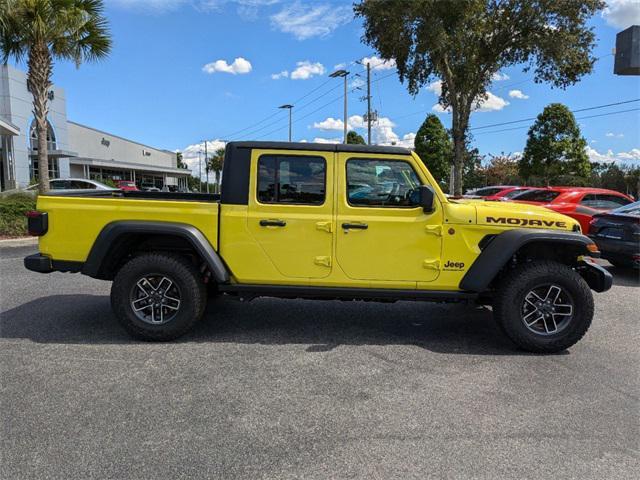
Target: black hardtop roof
321	147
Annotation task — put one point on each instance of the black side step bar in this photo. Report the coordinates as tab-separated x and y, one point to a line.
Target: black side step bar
384	294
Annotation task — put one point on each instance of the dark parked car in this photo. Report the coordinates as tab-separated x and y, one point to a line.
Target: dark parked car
617	234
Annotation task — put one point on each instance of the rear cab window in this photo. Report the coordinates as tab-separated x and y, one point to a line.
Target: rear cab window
291	179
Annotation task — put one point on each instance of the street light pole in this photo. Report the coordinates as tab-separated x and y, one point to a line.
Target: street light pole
368	103
343	73
200	171
206	163
289	107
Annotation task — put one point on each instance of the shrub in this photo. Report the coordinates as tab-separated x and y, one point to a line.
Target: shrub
13	223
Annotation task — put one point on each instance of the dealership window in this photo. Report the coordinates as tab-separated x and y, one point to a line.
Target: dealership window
33	137
382	183
54	171
291	179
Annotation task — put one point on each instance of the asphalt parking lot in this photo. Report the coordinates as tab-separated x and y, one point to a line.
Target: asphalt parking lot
308	389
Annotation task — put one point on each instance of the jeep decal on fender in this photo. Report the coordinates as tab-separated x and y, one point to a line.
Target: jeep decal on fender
526	222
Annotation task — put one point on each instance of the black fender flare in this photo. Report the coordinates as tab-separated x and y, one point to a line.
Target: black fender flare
112	231
503	246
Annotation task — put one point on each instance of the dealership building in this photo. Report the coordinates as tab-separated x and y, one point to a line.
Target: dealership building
74	150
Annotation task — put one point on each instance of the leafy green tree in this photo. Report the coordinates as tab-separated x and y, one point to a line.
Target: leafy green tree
613	178
474	174
464	43
215	164
433	146
43	31
355	139
555	148
502	170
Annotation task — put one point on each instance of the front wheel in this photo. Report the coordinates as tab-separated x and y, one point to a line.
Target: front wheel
544	307
158	297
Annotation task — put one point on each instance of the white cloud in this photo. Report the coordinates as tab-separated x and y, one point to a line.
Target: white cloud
614	135
435	87
518	94
313	20
498	77
327	140
306	70
407	141
378	63
632	155
339	66
192	158
282	74
239	66
356	83
622	13
490	103
356	121
329	124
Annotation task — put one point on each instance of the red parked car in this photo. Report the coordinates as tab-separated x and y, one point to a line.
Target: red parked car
127	185
507	193
580	203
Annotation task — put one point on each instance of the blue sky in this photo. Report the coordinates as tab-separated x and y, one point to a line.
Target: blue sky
172	79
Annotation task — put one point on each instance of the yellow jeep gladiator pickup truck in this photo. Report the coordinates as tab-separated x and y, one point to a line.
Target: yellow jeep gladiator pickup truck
302	220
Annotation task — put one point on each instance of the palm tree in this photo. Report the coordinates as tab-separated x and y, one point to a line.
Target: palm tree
215	164
43	31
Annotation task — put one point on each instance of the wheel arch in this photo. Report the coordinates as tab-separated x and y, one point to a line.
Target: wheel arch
115	241
500	249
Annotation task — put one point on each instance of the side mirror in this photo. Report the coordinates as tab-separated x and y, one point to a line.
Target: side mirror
426	199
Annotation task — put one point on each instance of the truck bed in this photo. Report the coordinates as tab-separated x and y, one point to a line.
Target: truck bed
87	213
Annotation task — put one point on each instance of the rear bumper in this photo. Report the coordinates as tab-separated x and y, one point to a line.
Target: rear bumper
38	263
597	277
43	264
616	248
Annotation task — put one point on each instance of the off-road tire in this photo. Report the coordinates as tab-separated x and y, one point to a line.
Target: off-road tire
179	270
510	297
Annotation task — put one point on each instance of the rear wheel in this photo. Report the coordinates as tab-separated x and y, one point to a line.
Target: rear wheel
544	307
158	296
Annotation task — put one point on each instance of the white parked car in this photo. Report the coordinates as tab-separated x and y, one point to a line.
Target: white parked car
74	184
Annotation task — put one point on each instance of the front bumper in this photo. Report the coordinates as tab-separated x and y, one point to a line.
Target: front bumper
596	276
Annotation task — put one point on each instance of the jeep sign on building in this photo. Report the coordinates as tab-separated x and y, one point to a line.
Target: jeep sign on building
74	150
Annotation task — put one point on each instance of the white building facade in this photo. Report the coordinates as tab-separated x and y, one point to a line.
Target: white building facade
74	150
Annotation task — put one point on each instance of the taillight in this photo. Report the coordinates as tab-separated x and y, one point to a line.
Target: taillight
37	222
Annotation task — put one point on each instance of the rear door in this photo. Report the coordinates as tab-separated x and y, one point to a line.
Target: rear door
291	210
382	233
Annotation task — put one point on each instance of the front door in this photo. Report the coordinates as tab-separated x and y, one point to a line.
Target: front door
291	210
382	233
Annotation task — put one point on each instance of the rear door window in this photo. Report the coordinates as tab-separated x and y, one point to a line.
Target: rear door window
291	179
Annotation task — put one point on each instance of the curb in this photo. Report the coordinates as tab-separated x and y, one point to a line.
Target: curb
19	242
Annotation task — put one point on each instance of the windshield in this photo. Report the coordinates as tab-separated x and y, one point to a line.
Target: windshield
632	209
487	191
514	193
543	196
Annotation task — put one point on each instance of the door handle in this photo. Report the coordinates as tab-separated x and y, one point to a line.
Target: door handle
273	223
355	226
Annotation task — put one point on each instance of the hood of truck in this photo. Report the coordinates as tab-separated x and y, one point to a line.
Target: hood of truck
517	215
